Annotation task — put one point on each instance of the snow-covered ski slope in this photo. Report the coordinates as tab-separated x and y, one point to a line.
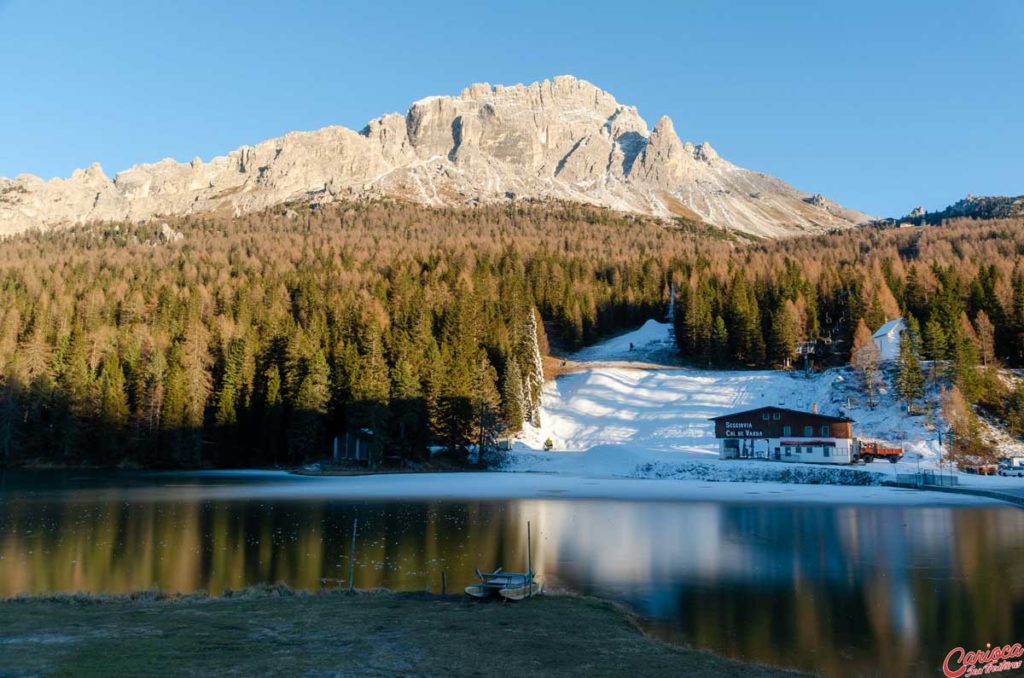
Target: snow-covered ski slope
620	421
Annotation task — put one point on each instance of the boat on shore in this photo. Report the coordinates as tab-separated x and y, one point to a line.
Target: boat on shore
508	585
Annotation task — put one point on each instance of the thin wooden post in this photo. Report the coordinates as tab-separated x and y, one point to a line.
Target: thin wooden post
352	557
529	561
444	583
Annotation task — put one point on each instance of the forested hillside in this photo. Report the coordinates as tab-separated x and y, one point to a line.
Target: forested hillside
960	288
254	340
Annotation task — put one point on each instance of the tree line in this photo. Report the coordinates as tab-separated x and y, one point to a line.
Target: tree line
256	339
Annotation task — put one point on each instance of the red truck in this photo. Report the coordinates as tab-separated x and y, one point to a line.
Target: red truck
868	451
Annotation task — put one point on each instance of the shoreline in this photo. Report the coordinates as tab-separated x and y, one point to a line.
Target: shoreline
520	485
277	630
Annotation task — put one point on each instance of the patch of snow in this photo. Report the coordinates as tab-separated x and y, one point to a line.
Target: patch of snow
625	422
651	341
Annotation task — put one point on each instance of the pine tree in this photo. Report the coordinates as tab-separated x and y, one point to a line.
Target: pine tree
1018	315
719	341
313	393
936	345
486	408
270	410
913	331
782	335
697	325
305	431
152	375
373	384
512	392
195	362
113	402
965	369
10	418
176	396
909	378
533	375
408	406
231	385
875	316
371	394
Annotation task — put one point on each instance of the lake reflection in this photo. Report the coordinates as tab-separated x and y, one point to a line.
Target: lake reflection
840	590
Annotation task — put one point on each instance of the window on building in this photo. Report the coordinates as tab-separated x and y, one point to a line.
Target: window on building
808	431
787	430
789	451
776	416
765	416
825	431
825	450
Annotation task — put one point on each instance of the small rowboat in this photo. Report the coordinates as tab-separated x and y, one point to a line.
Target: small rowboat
533	588
508	585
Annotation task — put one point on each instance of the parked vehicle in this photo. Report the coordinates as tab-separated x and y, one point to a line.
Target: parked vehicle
869	450
981	469
1014	467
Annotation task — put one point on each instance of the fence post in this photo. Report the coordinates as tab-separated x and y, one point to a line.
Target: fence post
352	557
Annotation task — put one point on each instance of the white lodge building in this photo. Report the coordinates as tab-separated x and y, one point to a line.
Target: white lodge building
780	434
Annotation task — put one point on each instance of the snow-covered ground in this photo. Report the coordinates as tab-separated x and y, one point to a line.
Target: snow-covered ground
650	343
654	423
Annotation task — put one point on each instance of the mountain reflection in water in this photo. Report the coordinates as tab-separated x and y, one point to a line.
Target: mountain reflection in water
838	590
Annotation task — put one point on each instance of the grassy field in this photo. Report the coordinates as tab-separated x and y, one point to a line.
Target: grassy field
274	632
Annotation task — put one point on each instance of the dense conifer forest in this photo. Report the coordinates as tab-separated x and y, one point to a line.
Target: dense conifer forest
255	340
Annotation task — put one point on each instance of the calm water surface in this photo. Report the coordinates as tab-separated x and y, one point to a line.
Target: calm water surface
839	590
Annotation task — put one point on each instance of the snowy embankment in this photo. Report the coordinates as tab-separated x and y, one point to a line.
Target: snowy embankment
511	486
654	423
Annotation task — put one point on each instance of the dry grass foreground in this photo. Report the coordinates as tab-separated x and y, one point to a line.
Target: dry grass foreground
276	631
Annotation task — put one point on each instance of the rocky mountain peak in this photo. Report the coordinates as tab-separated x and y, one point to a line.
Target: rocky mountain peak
562	138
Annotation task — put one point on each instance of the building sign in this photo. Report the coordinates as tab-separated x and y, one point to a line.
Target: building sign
742	429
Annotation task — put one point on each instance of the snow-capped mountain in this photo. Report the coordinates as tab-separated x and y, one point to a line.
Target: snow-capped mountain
558	139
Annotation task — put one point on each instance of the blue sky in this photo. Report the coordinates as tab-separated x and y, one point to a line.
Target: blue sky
880	105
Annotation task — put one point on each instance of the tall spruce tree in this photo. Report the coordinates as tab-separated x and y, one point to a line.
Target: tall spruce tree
512	393
936	344
719	341
782	334
909	377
